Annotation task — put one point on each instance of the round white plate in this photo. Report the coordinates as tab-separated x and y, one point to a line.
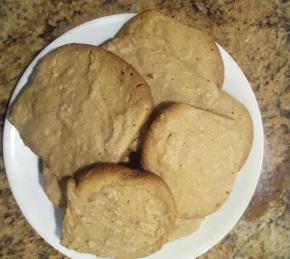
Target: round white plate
24	176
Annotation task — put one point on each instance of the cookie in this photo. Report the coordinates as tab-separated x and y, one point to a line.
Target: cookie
180	64
197	153
118	212
193	47
82	105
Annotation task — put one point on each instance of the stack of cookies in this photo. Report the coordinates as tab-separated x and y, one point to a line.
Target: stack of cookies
152	93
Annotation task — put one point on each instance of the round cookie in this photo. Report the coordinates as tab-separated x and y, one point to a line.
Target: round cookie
82	105
174	72
117	212
193	47
197	153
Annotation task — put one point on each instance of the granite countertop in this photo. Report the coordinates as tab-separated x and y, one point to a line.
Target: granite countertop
253	32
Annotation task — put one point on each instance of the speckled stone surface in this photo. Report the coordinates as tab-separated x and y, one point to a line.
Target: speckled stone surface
255	33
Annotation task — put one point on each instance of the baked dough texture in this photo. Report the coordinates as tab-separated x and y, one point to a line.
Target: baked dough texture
197	153
179	63
229	107
184	228
82	105
118	212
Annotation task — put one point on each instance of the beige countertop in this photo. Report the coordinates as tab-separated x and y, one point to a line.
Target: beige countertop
253	32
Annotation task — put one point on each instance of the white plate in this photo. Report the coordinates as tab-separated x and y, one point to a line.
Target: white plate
25	181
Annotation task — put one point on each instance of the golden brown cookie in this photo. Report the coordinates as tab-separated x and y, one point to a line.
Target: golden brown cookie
118	212
82	105
197	153
193	47
179	63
